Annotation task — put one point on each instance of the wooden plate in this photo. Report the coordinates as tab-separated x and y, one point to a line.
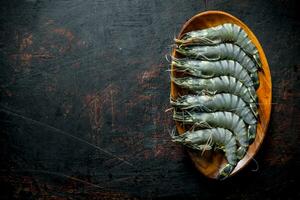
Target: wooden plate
210	162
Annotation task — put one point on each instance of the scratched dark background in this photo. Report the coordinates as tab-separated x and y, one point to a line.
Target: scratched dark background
84	87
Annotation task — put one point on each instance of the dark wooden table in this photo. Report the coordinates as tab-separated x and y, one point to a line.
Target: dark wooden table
84	89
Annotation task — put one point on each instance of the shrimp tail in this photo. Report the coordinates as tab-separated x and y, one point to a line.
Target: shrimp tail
241	151
257	60
251	132
225	171
253	108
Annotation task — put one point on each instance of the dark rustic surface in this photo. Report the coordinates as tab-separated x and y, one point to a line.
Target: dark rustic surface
84	88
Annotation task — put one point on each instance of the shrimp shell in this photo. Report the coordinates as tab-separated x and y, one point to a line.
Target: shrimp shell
220	137
218	102
206	69
221	84
219	34
225	120
224	51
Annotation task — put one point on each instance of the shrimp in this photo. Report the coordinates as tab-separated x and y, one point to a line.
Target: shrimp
222	138
219	34
220	52
225	120
221	84
218	102
206	69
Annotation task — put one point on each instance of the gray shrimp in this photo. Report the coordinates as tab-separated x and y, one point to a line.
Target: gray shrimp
221	84
218	102
222	51
227	120
206	69
222	138
219	34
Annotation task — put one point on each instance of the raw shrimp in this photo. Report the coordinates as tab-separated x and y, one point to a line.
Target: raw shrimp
218	102
225	120
219	34
222	51
222	138
206	69
221	84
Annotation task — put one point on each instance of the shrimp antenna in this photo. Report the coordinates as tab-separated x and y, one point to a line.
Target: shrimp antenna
172	98
169	109
174	36
257	165
193	127
208	143
205	4
175	59
205	39
173	132
206	58
190	114
179	41
199	40
173	79
177	70
179	94
176	137
166	57
180	59
203	124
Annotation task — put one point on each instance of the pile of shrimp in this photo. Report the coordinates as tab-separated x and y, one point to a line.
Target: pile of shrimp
218	70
